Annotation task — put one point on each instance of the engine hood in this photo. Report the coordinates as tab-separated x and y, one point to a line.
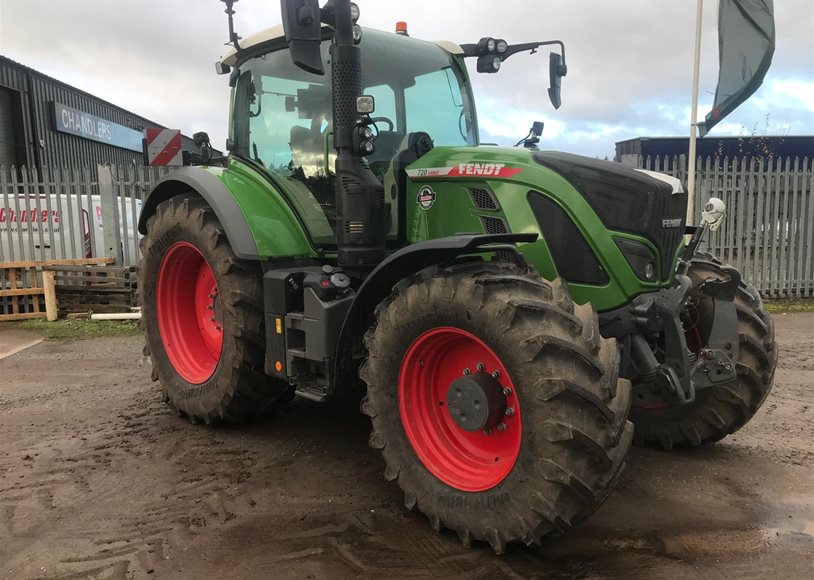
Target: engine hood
624	199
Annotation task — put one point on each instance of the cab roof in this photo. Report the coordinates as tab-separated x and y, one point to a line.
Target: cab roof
276	33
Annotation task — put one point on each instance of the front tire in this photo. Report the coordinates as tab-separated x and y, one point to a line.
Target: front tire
717	411
202	315
547	464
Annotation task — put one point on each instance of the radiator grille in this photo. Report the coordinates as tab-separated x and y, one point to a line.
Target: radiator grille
493	225
483	198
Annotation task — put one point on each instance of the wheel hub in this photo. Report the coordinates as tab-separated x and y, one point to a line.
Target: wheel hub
476	402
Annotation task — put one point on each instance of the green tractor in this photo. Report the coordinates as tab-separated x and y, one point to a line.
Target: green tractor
513	312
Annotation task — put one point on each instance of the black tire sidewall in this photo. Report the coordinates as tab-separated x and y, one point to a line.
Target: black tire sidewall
193	399
437	496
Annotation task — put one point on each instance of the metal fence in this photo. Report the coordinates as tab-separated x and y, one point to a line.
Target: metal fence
71	213
768	234
769	229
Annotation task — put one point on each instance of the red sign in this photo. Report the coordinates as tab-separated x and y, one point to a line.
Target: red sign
164	147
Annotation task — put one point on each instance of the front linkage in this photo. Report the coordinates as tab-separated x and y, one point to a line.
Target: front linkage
662	351
654	329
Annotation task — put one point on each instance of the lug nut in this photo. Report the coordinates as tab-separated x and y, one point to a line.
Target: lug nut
467	372
507	392
501	427
496	374
212	319
480	366
509	411
487	431
728	367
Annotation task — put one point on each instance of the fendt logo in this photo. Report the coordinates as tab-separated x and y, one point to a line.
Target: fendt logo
467	170
484	169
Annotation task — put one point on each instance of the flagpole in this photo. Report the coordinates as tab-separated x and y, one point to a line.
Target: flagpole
694	116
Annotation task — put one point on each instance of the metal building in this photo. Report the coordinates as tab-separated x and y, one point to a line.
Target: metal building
46	123
779	147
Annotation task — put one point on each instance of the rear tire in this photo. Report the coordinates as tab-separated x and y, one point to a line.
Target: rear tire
721	410
202	315
564	445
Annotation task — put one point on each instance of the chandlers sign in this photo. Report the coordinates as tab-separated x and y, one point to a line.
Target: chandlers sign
75	122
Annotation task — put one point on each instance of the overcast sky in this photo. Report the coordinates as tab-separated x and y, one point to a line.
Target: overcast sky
629	61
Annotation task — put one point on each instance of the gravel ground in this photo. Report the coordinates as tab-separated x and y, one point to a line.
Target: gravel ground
99	480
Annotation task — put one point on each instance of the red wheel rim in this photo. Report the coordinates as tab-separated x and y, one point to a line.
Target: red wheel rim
189	313
468	461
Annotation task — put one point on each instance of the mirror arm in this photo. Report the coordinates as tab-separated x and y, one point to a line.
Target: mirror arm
532	46
471	50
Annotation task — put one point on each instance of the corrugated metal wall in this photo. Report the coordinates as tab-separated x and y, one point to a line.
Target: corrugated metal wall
741	146
46	147
14	78
8	134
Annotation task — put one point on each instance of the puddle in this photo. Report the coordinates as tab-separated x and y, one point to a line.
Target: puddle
720	542
794	517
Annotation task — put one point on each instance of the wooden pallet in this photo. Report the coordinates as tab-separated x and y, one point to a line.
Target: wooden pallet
105	289
27	288
22	296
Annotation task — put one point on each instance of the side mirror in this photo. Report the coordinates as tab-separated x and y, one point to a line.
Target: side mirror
301	21
537	128
556	70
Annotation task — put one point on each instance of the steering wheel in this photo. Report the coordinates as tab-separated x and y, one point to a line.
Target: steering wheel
390	124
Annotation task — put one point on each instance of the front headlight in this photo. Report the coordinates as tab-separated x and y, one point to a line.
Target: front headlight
640	257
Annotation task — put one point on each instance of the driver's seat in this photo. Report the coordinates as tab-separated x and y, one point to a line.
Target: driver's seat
387	145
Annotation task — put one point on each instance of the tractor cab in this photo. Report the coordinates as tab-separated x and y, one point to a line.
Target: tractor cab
282	116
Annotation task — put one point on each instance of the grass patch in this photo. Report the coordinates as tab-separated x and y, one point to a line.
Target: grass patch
76	329
789	306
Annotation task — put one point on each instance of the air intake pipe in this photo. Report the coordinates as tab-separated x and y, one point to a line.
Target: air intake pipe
360	224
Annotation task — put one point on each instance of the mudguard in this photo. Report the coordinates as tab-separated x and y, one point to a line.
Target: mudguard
399	265
218	197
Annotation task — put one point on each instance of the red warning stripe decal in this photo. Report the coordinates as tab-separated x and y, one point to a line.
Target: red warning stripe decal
494	170
164	147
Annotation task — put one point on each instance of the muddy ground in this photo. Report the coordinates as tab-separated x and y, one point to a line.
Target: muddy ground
99	480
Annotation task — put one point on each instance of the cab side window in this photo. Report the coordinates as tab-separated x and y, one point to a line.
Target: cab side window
289	126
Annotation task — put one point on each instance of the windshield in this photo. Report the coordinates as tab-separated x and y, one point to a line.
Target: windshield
283	114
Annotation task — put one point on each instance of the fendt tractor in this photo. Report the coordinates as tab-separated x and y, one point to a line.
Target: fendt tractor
519	317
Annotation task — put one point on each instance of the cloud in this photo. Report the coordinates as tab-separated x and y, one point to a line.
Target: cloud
629	63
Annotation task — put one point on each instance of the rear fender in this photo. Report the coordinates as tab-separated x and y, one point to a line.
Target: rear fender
219	198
